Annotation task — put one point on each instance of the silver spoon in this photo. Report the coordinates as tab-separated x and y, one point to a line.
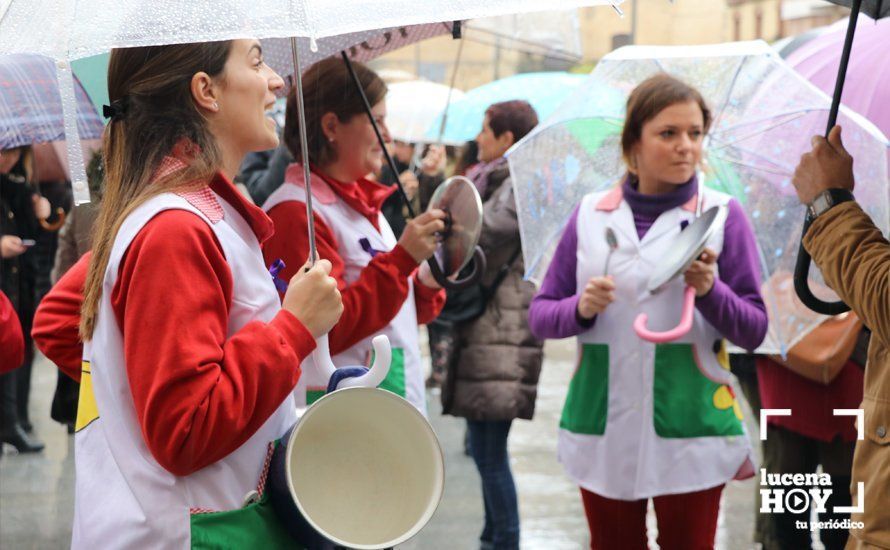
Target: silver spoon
612	241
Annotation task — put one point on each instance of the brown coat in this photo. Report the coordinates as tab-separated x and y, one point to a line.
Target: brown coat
855	260
494	368
75	237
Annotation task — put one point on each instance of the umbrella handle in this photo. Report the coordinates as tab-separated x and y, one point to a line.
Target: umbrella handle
371	379
55	226
479	265
802	281
675	333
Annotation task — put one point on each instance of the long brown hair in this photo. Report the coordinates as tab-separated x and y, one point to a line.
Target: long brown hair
328	88
152	85
649	98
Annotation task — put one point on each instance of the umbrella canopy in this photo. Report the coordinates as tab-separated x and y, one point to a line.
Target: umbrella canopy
75	29
411	107
868	74
553	34
875	9
787	46
31	106
545	91
764	117
360	46
80	28
872	8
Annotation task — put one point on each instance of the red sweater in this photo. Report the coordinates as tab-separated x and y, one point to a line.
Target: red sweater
812	404
199	394
374	299
12	343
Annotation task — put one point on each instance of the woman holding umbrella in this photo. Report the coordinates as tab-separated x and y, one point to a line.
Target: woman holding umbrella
645	420
20	209
384	292
190	359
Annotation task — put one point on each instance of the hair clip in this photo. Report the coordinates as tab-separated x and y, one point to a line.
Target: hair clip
116	110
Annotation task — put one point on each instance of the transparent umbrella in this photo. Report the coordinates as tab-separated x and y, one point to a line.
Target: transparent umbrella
411	107
764	117
72	29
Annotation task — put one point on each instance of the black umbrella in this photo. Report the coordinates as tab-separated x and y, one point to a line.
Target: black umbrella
875	9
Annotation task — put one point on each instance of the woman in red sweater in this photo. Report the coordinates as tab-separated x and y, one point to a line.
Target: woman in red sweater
190	359
12	344
384	292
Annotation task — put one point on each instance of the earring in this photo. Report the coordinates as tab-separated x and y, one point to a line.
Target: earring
215	106
330	140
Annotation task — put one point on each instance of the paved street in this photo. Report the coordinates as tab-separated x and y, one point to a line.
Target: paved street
36	492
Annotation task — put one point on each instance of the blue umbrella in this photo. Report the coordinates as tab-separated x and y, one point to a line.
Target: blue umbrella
31	106
545	91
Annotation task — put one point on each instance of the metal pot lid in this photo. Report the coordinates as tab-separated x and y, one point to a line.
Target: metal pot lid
688	246
458	197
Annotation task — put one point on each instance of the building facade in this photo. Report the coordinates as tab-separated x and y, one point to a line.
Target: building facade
654	22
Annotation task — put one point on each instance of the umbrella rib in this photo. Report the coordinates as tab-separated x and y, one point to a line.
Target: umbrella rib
729	91
765	274
659	65
760	131
746	151
755	166
794	114
460	49
5	11
763	158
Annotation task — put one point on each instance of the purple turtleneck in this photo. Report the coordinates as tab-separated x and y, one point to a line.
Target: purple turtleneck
734	305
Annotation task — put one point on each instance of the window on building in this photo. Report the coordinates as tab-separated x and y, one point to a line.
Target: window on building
619	40
736	26
758	23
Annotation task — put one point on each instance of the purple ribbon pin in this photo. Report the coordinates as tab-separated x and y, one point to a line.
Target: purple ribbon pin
366	246
274	269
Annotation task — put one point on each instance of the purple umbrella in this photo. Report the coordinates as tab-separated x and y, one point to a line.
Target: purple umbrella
868	74
31	106
876	9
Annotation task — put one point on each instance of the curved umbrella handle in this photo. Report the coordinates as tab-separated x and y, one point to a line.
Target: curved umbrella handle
371	379
675	333
55	226
802	281
479	264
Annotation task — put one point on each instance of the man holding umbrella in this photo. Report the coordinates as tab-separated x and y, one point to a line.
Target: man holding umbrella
854	258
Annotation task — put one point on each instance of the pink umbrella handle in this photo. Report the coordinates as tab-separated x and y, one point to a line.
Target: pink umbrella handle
675	333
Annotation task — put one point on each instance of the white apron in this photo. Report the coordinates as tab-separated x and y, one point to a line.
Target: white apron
349	227
644	419
123	497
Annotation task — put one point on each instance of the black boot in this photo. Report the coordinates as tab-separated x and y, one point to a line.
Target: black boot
26	425
20	440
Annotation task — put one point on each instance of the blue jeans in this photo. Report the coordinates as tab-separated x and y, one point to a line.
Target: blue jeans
488	447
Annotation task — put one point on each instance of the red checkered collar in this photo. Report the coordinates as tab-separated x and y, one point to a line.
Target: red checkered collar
206	197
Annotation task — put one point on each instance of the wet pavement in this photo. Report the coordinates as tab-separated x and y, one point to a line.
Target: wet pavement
36	491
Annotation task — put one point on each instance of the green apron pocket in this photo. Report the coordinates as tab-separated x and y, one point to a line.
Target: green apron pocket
395	380
686	403
254	526
587	402
313	395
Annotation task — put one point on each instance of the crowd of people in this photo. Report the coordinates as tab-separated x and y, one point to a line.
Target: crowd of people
174	398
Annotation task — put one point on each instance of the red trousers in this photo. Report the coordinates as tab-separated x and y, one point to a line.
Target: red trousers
686	521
